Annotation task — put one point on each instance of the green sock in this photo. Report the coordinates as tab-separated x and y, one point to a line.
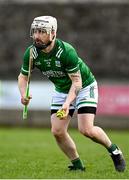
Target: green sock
77	163
112	148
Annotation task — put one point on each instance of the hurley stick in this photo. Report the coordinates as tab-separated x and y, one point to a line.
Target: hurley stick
25	109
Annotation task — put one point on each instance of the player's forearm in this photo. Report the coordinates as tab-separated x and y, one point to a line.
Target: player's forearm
22	82
75	87
73	92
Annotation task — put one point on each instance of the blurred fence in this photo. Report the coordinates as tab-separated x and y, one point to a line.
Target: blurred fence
113	106
98	30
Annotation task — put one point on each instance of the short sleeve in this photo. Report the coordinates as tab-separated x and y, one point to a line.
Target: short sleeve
25	65
72	64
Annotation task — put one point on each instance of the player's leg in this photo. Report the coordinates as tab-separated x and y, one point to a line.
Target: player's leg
65	142
87	128
86	115
59	130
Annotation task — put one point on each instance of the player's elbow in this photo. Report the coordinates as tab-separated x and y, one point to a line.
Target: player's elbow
78	84
22	77
19	76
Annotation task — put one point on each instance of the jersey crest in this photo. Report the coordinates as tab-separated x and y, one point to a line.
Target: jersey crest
57	63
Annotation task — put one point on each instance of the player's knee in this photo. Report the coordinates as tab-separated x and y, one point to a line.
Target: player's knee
57	132
87	132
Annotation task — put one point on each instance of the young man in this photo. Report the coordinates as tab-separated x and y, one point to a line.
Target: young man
75	88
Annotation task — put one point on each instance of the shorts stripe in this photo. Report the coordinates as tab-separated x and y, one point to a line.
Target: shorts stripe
86	103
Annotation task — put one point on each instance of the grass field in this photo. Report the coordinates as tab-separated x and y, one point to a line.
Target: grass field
33	153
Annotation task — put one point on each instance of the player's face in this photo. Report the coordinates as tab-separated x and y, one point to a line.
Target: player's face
41	36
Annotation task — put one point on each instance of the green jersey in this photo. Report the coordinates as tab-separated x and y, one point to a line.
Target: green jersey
57	64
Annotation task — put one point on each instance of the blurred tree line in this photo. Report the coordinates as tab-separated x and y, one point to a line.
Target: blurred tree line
100	33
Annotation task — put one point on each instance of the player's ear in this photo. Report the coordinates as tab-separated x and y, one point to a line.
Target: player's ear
53	34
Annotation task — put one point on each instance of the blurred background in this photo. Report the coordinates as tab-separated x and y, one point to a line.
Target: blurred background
98	29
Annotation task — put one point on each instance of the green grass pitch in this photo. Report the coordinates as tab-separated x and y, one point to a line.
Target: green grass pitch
27	153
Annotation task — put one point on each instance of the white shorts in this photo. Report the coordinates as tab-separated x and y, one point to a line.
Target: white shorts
87	97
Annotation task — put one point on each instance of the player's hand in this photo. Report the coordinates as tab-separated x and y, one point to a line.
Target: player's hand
65	107
25	101
63	112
